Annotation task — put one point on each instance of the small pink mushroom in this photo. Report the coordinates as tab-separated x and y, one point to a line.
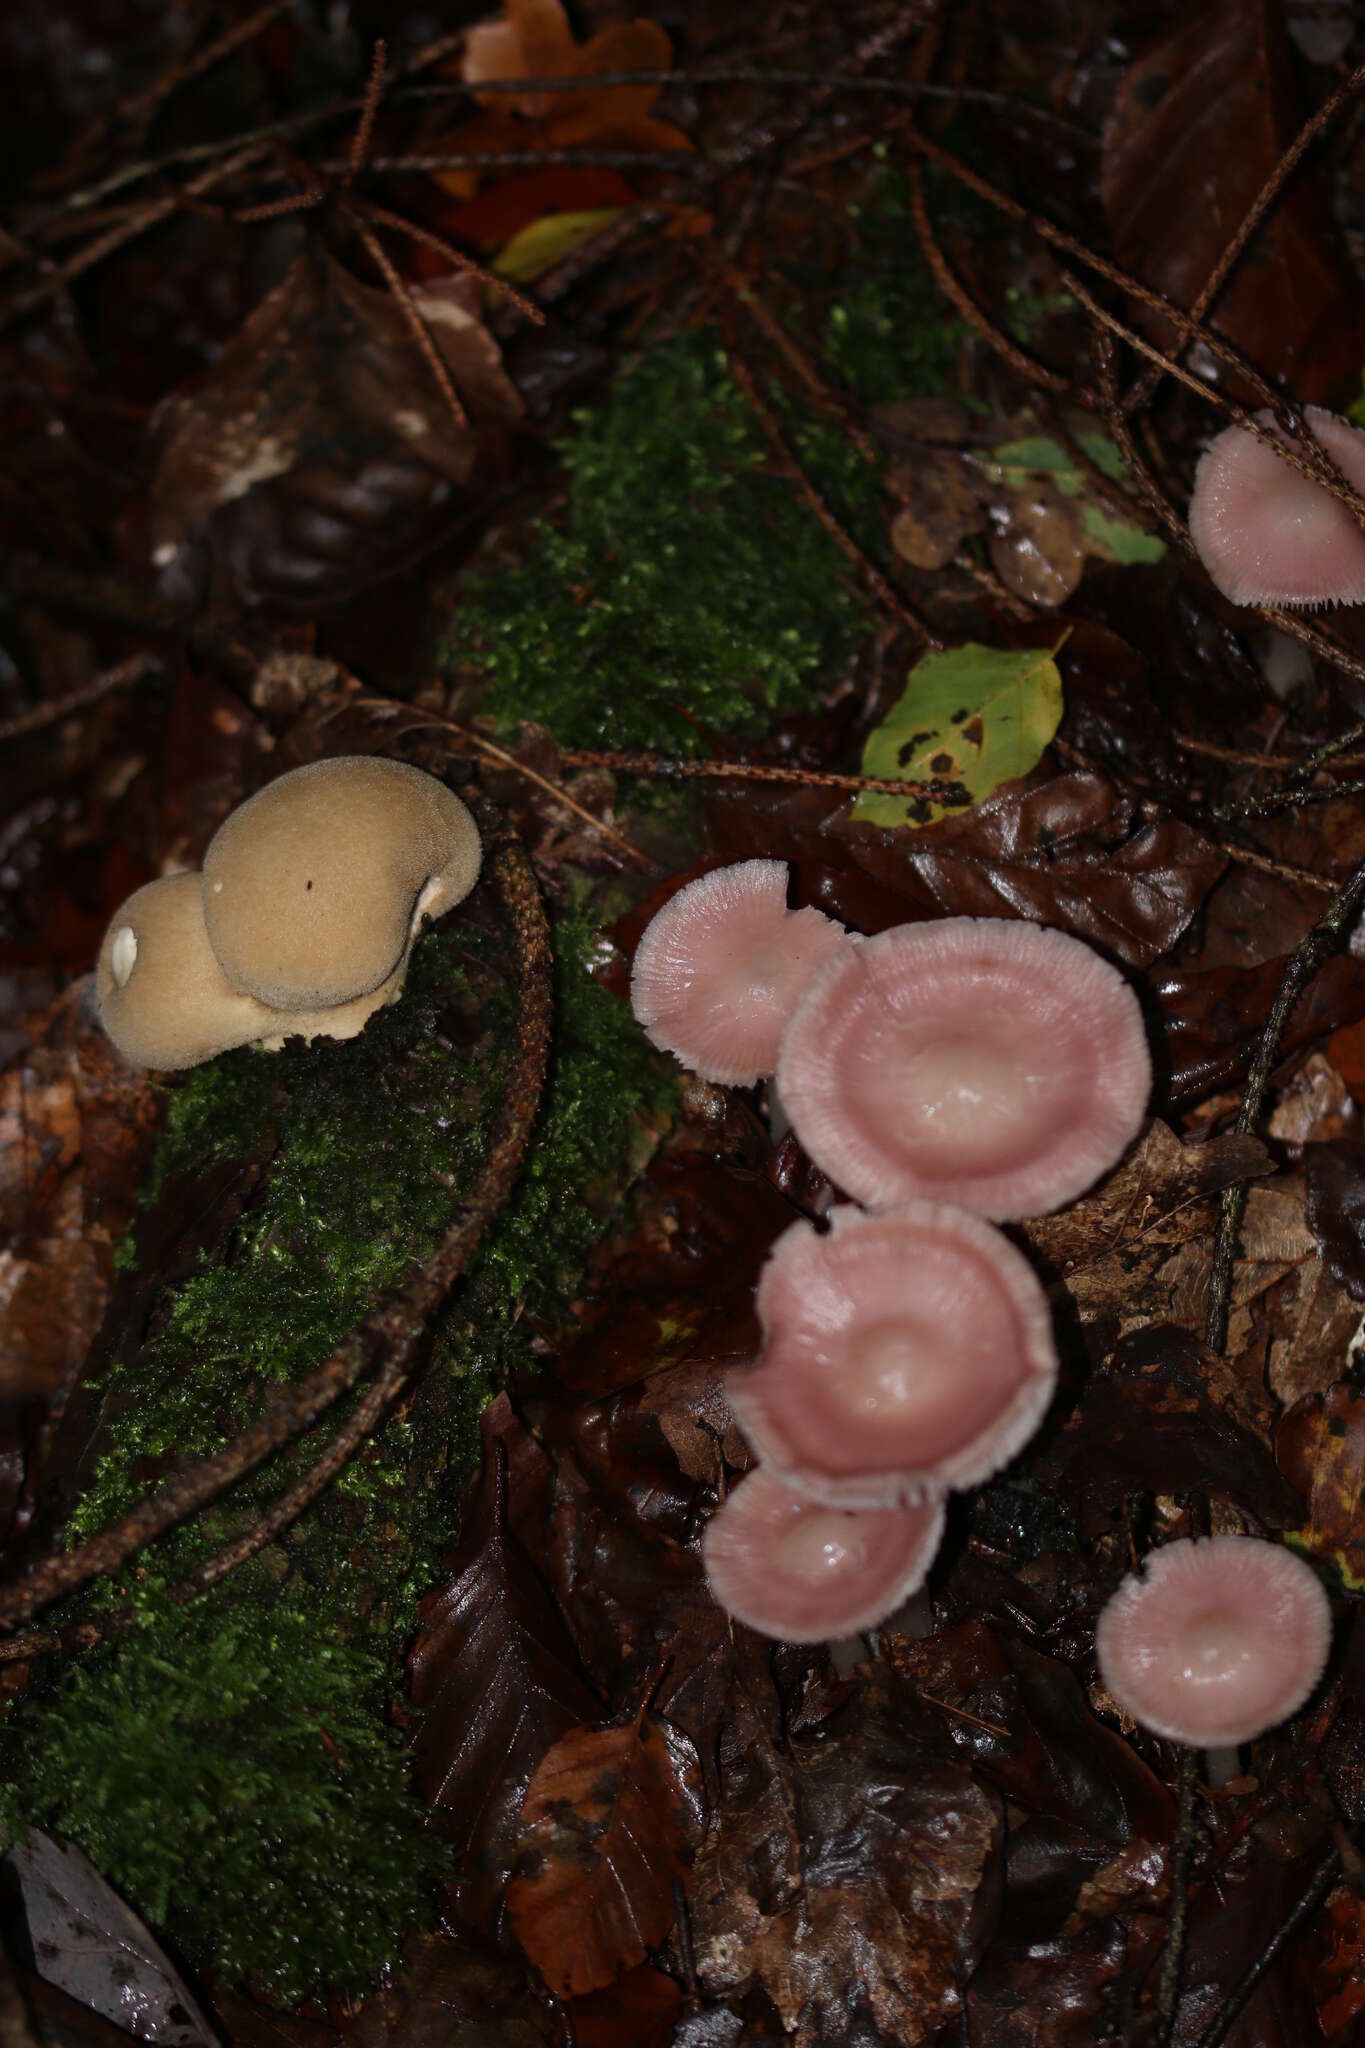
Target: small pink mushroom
1216	1642
978	1061
903	1354
1266	533
719	968
805	1573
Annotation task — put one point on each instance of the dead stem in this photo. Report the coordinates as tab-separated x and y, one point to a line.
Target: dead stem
669	769
389	1336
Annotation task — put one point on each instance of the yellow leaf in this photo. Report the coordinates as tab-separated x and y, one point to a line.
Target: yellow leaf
536	249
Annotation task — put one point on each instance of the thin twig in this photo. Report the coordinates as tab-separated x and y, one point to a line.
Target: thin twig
416	325
1182	1862
121	677
364	127
456	259
1303	963
389	1336
953	289
1302	878
494	752
889	598
670	769
1285	800
1319	1885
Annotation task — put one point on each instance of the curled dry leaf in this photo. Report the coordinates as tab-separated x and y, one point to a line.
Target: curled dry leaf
611	1822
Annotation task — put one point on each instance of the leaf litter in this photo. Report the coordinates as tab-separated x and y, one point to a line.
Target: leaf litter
654	1826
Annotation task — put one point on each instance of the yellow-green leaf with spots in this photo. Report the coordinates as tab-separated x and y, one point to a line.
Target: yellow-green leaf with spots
972	718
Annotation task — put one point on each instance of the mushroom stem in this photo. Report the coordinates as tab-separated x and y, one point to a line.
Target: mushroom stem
1221	1765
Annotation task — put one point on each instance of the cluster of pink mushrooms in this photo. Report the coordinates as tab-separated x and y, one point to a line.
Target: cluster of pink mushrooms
949	1077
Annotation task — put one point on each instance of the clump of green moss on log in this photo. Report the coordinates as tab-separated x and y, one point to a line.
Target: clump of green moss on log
686	588
229	1763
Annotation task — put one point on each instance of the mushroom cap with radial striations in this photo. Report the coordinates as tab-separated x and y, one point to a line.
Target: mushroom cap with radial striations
162	997
903	1354
719	968
985	1062
1217	1641
314	886
1266	533
805	1573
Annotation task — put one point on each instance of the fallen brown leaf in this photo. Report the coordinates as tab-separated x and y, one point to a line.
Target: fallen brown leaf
609	1827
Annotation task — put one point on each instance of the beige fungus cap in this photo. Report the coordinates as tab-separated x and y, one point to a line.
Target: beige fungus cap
162	996
313	888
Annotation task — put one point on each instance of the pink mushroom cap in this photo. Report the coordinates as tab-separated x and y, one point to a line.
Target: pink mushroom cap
1217	1641
903	1354
720	967
979	1061
805	1573
1266	533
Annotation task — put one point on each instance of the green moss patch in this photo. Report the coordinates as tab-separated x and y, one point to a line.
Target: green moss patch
687	587
230	1763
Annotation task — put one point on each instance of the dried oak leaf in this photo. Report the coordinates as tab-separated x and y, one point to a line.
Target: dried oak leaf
1336	1209
1320	1448
496	1680
611	1822
318	453
1199	124
534	40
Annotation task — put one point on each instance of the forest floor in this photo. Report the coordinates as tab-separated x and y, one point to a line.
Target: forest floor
653	424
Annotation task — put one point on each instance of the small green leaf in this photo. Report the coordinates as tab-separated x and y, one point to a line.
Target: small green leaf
1113	539
537	248
974	717
1116	540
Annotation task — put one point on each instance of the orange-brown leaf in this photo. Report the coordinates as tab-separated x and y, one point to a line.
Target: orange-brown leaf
610	1824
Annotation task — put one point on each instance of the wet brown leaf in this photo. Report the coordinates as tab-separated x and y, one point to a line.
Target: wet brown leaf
1037	544
1199	124
609	1827
1336	1209
639	2012
496	1680
319	451
851	1880
1146	1421
1320	1448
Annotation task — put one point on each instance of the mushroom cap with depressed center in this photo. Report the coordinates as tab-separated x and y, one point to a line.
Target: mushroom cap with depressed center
903	1354
805	1573
162	996
314	886
720	967
985	1062
1217	1641
1268	534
